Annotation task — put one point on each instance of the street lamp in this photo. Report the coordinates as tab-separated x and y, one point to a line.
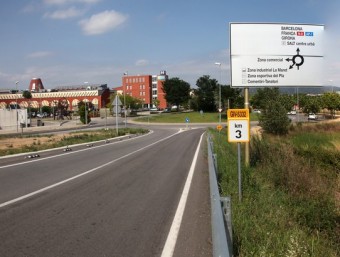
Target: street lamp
219	92
124	92
331	83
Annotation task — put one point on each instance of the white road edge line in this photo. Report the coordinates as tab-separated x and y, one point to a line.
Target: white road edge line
80	175
171	240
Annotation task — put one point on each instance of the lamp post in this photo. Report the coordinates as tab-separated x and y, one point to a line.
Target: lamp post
219	93
331	83
16	102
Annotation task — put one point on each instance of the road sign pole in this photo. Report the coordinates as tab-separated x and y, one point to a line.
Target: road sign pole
239	171
246	106
239	132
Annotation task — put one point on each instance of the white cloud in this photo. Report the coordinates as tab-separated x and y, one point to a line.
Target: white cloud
30	7
102	22
40	54
64	14
142	62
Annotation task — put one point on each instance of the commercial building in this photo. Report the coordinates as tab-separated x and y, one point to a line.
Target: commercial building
62	100
148	88
97	94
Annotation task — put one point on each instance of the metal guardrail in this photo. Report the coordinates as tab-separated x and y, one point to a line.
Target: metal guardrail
220	211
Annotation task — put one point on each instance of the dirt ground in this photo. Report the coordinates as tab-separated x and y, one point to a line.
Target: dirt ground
17	142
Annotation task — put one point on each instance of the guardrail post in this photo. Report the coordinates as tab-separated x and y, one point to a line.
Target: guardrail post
215	163
226	209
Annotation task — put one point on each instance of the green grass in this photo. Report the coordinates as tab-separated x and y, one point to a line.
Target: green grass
319	143
194	117
290	204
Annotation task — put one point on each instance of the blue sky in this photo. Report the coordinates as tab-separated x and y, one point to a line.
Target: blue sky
69	42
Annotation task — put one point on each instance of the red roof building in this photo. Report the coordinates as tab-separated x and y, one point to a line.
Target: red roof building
97	94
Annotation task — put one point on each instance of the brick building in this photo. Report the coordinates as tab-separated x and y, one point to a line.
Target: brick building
145	87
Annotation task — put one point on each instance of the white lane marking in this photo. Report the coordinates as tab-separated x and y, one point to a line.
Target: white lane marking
171	240
82	174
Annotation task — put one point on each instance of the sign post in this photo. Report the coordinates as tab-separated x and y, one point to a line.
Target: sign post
187	120
117	109
238	132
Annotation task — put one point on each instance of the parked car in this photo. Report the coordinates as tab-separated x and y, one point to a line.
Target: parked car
312	116
42	115
292	112
256	111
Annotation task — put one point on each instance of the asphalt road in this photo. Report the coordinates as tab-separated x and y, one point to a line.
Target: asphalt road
114	199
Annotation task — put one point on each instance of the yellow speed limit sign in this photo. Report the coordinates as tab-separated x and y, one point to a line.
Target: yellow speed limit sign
238	125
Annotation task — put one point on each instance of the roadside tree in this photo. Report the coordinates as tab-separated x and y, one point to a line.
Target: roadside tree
263	96
155	102
177	91
273	118
84	114
310	104
28	96
331	101
131	102
287	101
231	97
206	93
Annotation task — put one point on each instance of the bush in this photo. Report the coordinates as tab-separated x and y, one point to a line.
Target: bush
274	119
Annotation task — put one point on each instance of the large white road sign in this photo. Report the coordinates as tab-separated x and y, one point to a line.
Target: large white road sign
274	55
